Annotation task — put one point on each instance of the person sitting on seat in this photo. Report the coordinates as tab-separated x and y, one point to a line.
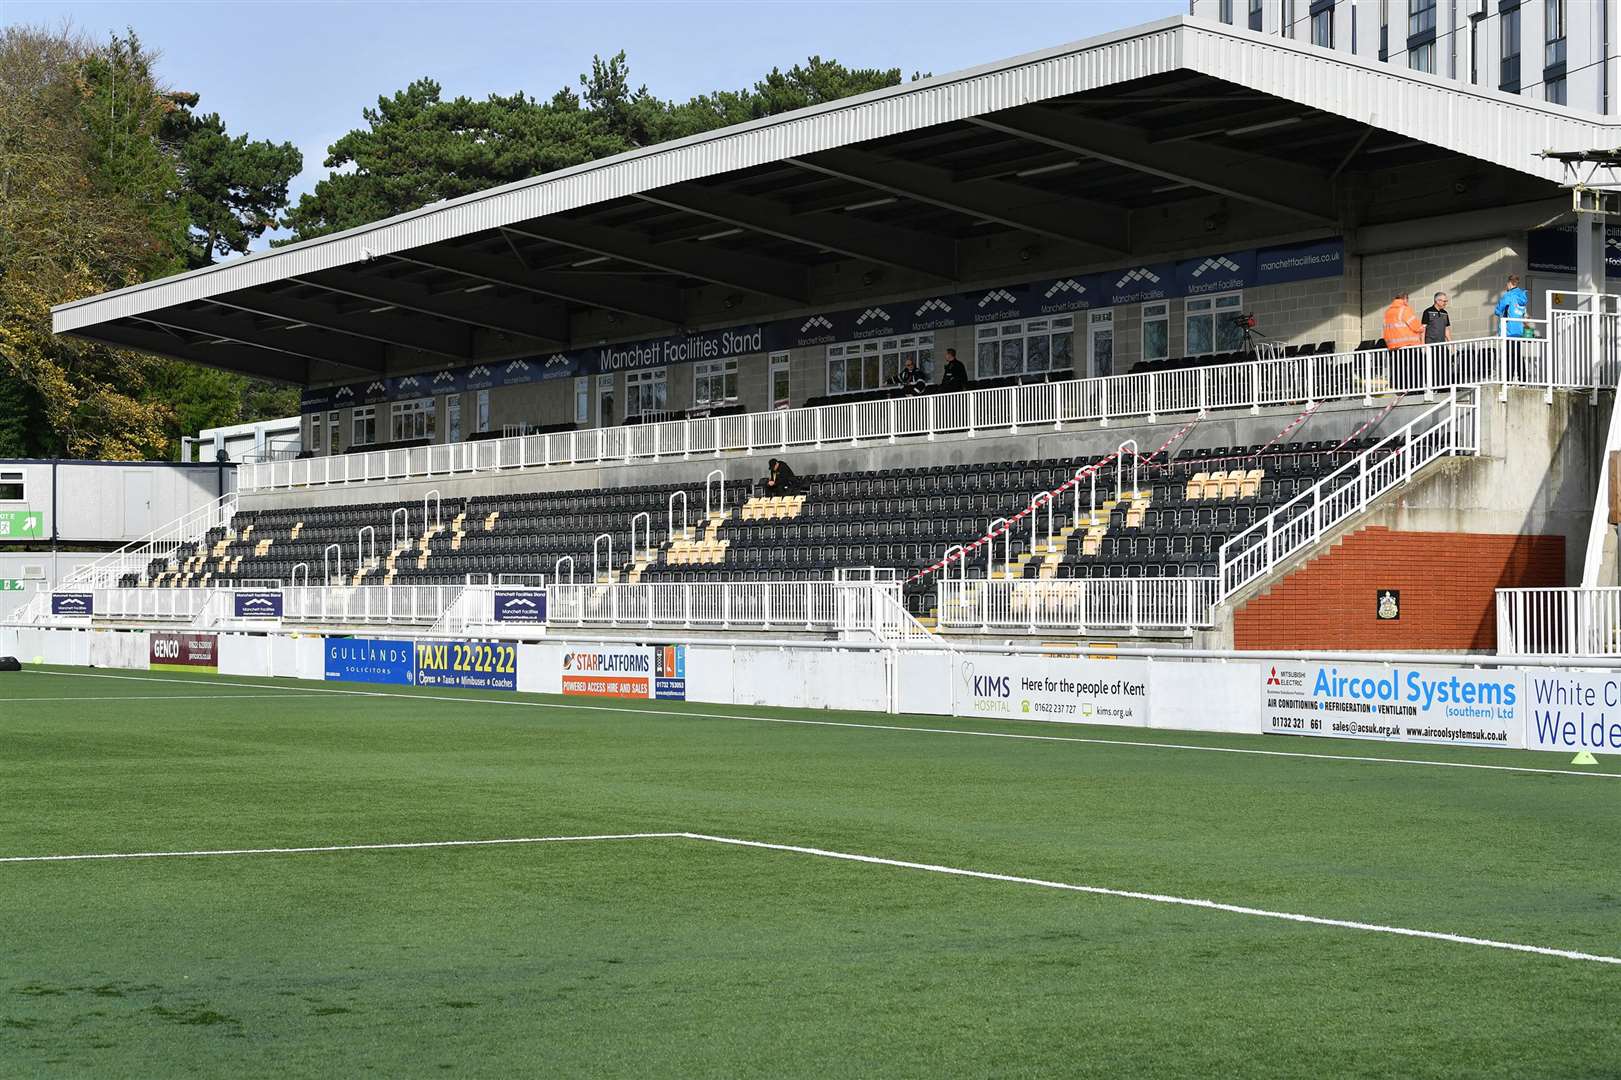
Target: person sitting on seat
911	379
955	376
781	479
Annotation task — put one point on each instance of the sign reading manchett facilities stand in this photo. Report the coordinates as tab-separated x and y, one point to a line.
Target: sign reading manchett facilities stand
1395	704
1061	689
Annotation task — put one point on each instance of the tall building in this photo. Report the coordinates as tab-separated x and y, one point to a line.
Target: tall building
1562	51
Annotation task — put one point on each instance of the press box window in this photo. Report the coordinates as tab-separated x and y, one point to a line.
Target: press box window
1020	348
365	426
315	432
1211	323
645	392
856	366
11	486
1156	331
714	382
412	420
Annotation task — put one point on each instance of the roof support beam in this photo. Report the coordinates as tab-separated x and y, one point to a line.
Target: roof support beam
241	359
1071	219
656	302
422	336
1268	181
886	245
547	325
367	358
731	269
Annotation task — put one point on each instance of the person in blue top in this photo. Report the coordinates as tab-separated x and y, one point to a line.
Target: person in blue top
1512	308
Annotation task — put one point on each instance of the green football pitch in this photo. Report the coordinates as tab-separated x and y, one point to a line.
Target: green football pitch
916	897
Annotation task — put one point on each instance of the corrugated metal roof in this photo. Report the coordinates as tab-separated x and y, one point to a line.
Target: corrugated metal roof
1503	129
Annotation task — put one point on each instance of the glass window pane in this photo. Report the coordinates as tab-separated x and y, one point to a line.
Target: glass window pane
1156	340
869	376
731	384
835	376
1012	356
1229	337
1063	351
1200	339
892	367
985	360
1040	353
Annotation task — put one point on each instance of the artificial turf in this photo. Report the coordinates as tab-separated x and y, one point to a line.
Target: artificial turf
673	957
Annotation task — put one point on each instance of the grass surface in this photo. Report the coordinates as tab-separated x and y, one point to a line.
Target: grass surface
673	957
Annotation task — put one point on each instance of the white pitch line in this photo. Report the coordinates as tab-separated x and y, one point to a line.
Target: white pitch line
336	847
633	710
1160	898
170	697
846	856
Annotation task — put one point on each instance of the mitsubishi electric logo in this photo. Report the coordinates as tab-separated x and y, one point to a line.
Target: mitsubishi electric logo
815	322
517	365
555	359
443	377
932	305
873	313
998	295
1064	286
480	372
1139	274
1273	680
1222	263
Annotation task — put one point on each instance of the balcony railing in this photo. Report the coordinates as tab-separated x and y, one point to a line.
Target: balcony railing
1138	395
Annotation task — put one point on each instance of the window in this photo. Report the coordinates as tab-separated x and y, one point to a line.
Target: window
1322	27
365	426
1226	9
453	417
1509	17
1156	331
645	392
1554	91
1422	58
714	382
1384	29
1420	17
482	408
11	486
1554	53
582	400
1288	29
1017	348
1255	14
412	420
781	394
332	421
1210	325
315	431
854	366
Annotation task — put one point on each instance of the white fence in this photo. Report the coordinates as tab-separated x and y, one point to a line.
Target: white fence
1451	427
849	608
1133	605
1559	622
1146	395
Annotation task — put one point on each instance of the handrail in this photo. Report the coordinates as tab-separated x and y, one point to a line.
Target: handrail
669	512
326	570
718	478
1448	428
1120	468
1034	503
647	535
596	573
557	569
438	510
990	545
394	530
1251	384
361	558
294	576
137	554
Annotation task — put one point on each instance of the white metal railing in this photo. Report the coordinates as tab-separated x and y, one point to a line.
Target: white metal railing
816	606
395	605
1248	384
1449	428
152	605
1559	622
1078	605
160	543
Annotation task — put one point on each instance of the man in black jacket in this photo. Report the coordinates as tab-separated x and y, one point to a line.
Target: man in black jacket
955	376
781	479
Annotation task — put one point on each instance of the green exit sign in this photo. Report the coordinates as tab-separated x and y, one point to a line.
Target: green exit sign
22	525
10	585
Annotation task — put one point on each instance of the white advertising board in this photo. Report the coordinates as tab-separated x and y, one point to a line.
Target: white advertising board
1066	690
1393	704
1571	712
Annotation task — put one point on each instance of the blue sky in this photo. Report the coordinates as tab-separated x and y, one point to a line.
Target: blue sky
302	71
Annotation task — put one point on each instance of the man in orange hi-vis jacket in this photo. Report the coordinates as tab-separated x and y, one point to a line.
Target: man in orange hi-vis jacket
1402	326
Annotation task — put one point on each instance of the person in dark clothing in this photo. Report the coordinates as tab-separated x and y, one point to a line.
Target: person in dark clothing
1437	323
911	379
780	480
955	376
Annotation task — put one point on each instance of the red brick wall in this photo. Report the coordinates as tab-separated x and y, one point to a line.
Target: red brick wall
1446	580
